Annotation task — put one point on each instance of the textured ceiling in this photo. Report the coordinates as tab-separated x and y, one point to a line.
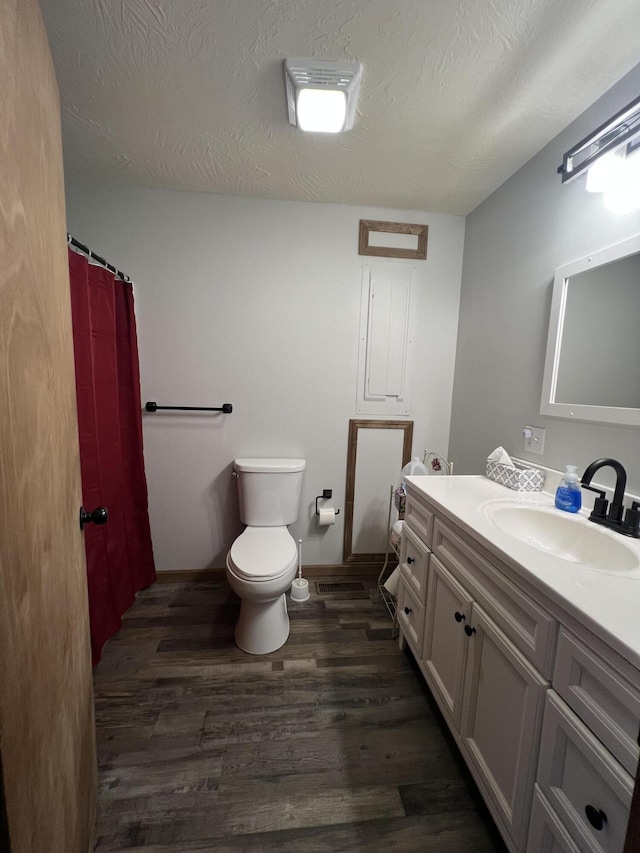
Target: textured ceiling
455	97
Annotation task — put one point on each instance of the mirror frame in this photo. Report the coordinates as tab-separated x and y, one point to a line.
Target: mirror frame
579	411
352	453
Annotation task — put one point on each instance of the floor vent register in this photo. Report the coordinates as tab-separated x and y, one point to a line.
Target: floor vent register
340	586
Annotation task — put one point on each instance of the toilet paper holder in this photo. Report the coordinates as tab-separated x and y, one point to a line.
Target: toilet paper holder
326	494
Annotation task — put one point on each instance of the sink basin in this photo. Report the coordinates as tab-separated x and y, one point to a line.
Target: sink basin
566	537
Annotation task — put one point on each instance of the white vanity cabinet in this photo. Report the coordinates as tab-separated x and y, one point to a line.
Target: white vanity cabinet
547	725
490	695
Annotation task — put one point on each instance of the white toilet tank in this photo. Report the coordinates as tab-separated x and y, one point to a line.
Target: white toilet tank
269	490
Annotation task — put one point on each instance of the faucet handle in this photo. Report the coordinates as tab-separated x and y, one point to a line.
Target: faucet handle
631	523
600	504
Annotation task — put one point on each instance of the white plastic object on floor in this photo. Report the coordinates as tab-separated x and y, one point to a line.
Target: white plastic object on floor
392	582
300	586
300	589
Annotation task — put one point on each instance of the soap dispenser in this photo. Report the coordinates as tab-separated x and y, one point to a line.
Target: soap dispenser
568	493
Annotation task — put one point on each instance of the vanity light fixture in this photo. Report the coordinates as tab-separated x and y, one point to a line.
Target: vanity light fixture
614	133
617	175
622	195
607	170
322	93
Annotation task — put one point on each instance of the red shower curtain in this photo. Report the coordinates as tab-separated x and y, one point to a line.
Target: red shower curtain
119	554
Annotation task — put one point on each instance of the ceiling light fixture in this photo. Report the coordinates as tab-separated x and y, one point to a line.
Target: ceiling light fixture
619	130
322	93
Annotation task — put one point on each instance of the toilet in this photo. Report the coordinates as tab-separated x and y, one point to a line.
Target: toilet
263	560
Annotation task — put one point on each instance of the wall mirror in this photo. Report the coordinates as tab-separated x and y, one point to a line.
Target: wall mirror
593	351
377	452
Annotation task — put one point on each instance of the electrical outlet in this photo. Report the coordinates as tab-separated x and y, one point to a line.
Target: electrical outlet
533	439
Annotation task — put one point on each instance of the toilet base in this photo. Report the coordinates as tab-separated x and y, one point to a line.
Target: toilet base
263	626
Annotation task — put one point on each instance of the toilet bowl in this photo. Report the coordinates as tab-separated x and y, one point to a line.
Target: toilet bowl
261	566
262	562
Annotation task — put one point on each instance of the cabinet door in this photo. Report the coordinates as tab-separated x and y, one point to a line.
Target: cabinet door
501	721
448	610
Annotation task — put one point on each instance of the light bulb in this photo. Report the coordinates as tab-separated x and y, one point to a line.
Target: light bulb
604	173
623	196
321	110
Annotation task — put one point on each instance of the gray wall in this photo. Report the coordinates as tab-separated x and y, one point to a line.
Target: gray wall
257	303
514	241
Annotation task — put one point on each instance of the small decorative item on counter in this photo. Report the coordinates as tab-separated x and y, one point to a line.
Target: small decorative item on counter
513	475
437	464
568	493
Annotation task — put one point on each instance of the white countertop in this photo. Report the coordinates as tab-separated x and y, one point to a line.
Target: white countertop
608	604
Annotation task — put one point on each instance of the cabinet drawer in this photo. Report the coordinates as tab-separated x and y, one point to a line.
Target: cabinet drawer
411	618
419	519
531	629
414	559
601	697
577	775
546	833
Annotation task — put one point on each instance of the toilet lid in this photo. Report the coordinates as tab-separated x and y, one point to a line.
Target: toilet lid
263	553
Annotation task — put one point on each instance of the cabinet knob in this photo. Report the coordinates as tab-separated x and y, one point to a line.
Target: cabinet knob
410	560
596	817
407	610
469	630
459	616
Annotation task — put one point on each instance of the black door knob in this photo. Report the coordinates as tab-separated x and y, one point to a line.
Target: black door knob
407	610
100	515
459	616
596	817
410	560
469	630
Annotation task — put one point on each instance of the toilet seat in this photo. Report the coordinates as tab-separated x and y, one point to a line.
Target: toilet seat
263	553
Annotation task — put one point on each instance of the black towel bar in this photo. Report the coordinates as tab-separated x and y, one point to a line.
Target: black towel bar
227	408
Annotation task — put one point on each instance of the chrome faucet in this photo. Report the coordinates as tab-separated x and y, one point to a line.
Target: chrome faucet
630	525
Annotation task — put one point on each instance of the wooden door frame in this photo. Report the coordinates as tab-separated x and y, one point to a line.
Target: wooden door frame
352	452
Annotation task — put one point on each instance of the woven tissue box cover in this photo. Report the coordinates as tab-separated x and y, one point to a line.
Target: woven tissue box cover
520	479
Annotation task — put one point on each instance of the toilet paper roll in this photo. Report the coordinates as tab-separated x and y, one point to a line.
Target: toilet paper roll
327	516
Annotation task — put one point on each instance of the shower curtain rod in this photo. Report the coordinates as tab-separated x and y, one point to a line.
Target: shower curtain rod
77	245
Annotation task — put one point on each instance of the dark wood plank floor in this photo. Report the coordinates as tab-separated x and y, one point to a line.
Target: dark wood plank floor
332	743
